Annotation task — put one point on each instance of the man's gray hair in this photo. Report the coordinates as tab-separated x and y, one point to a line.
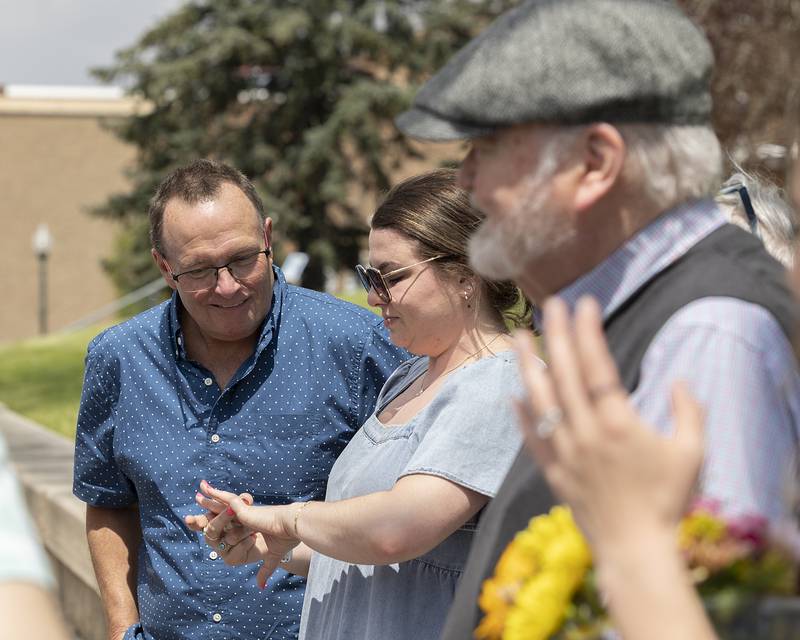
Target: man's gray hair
666	164
672	163
775	219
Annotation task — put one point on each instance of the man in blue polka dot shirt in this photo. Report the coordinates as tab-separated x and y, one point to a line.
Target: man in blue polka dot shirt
239	379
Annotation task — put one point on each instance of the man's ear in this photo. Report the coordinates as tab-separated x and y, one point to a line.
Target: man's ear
268	234
602	158
164	268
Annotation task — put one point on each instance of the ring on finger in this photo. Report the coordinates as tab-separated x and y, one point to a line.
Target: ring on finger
548	422
222	546
208	535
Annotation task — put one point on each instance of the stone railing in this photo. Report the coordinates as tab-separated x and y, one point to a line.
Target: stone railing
43	461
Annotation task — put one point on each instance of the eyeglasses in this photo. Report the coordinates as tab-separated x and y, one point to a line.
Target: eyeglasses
747	205
371	278
240	269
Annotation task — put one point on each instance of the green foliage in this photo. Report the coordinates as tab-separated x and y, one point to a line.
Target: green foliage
298	94
41	378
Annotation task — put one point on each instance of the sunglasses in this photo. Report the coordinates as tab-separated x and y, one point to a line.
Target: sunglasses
371	278
747	205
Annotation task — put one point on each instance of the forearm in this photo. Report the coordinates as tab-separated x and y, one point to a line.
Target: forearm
29	611
649	591
114	536
387	526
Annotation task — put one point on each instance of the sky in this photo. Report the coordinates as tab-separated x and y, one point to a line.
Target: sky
58	41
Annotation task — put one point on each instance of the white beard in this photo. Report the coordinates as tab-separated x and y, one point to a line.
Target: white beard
502	248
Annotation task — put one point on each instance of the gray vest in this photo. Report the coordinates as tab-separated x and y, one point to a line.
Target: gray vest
729	262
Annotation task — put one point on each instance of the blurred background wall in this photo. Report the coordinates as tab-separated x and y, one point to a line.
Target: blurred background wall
56	162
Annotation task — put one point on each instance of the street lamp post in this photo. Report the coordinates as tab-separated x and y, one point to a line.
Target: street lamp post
42	245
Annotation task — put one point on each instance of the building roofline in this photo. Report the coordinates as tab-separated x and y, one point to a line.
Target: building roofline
62	100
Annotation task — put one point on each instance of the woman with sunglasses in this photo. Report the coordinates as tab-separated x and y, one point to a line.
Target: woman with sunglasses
388	545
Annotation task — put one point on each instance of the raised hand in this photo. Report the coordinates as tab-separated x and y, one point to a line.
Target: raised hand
265	530
620	476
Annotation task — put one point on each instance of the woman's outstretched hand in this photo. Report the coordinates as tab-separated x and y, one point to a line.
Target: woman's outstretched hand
243	533
620	477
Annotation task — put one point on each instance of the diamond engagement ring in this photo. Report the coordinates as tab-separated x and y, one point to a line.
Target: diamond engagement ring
222	546
548	422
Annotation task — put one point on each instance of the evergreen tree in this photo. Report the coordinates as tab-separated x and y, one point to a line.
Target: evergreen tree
298	94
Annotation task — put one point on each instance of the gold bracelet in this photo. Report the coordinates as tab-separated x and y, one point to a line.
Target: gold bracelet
297	515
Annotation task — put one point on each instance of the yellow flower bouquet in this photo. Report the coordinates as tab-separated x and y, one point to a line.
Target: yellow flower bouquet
544	583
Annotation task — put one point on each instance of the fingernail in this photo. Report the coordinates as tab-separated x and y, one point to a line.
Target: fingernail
198	496
230	512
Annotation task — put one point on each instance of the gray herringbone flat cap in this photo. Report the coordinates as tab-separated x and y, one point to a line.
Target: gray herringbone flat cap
570	62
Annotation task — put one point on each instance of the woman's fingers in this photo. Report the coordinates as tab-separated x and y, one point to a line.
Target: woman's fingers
542	400
564	364
243	552
267	569
215	530
224	497
210	504
196	523
689	422
525	407
596	363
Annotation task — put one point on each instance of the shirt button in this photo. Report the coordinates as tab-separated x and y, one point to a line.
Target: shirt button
215	438
213	555
208	382
216	617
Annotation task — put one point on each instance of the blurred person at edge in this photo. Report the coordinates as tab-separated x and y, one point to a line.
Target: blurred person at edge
628	486
593	157
387	546
238	378
763	209
28	610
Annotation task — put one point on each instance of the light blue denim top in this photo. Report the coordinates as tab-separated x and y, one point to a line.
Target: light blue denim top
468	435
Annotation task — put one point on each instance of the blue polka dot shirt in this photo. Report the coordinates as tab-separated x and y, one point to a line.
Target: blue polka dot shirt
152	424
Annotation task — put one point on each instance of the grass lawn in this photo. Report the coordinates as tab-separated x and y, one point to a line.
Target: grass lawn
41	378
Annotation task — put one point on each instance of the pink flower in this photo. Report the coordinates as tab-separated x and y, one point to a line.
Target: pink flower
707	505
751	529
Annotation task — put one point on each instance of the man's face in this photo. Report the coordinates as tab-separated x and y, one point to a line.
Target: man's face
213	233
510	176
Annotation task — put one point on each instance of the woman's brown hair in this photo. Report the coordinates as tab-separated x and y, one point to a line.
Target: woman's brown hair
435	212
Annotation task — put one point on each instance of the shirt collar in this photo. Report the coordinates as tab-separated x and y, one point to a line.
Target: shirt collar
267	328
644	255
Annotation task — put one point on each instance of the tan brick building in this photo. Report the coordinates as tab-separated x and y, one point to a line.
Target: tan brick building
56	161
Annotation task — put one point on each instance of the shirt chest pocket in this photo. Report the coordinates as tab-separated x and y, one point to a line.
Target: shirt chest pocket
284	457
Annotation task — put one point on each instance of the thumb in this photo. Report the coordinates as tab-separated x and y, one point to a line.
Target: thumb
267	569
689	418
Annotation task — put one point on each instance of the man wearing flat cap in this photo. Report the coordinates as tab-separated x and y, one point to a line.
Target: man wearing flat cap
594	160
